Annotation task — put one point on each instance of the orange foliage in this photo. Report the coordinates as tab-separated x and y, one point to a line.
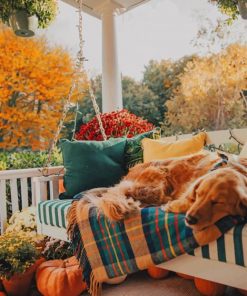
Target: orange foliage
34	81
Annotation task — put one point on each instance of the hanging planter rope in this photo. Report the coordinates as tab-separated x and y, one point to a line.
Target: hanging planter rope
78	76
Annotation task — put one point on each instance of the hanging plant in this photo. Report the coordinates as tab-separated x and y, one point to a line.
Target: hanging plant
24	16
232	8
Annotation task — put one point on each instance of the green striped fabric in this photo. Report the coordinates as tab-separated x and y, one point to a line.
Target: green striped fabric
230	248
53	212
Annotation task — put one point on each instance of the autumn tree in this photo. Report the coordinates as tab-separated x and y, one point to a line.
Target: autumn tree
140	100
34	81
211	93
137	98
163	78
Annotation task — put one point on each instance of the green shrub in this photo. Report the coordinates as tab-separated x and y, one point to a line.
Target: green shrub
28	159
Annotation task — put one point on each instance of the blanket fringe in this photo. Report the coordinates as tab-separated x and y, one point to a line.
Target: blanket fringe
71	218
95	288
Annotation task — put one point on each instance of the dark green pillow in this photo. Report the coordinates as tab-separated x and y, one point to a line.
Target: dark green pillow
133	149
92	164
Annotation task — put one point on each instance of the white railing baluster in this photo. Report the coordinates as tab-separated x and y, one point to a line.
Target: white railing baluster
54	188
3	204
14	195
24	193
33	193
51	190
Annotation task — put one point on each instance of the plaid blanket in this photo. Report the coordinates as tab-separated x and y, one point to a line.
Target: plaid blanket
111	249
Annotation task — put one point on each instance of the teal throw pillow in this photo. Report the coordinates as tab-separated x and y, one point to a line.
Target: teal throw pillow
133	149
92	164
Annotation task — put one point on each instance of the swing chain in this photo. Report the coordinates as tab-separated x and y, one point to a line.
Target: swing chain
91	93
79	72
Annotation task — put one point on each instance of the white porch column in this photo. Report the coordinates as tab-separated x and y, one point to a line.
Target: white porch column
111	76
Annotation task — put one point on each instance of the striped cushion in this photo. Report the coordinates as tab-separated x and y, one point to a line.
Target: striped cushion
230	248
53	212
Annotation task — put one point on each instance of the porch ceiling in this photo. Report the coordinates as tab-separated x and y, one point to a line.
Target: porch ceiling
90	6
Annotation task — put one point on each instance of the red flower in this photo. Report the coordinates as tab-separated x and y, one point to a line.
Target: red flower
116	124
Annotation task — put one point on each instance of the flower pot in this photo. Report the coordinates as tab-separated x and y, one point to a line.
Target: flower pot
23	24
19	284
242	7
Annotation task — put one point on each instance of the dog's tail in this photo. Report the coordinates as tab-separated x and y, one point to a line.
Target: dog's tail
116	204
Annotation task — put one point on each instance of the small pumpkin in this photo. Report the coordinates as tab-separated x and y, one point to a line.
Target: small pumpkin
243	292
117	280
157	272
208	288
60	277
185	276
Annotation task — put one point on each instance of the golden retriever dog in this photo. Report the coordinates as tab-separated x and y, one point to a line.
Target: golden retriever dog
213	196
154	183
206	186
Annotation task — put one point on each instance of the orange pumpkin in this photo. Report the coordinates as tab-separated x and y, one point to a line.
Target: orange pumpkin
243	292
209	288
117	280
157	273
60	277
185	276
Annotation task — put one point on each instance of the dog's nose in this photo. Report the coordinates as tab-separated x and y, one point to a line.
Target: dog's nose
191	220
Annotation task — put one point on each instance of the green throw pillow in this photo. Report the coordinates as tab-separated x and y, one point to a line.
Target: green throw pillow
92	164
133	149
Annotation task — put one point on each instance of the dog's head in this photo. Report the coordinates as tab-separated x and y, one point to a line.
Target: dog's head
216	195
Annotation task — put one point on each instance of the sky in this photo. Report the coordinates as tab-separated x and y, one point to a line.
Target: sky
159	29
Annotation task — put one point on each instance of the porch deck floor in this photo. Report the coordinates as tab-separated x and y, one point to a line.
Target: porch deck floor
140	284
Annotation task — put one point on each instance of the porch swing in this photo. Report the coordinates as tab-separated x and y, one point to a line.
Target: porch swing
223	261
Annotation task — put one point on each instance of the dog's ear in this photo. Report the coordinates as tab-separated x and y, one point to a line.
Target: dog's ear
190	194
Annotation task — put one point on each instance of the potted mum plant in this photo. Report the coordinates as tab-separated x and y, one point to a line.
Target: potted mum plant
25	16
18	257
120	123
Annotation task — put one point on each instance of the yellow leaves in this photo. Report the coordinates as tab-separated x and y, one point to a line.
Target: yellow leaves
209	93
34	80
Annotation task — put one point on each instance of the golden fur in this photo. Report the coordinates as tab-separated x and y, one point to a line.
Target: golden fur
183	185
213	196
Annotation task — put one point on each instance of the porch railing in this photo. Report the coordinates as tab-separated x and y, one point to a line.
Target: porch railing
17	190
